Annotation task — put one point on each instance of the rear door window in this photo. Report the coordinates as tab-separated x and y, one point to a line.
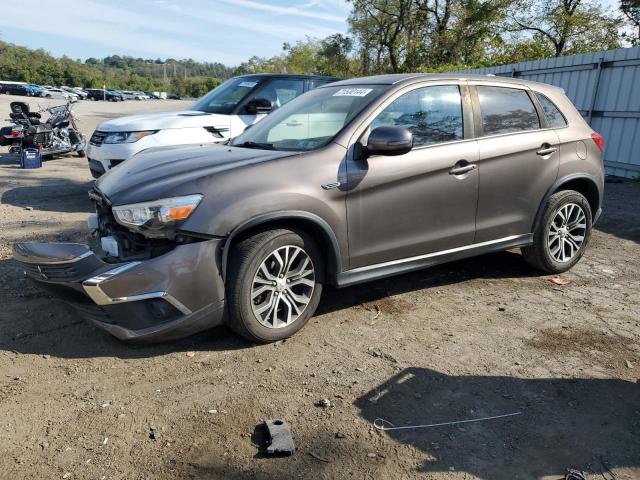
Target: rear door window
506	110
555	119
431	114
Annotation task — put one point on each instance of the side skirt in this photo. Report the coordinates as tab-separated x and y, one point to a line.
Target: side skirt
405	265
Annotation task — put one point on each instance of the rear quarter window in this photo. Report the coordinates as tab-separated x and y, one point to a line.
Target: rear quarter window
555	118
506	110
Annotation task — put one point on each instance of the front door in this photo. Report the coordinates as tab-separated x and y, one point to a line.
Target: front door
421	202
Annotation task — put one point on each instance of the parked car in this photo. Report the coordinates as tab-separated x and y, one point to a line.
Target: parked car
129	95
224	112
14	88
35	90
350	182
102	94
119	95
81	94
53	92
132	95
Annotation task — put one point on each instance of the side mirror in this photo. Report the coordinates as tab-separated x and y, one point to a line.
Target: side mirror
258	106
389	141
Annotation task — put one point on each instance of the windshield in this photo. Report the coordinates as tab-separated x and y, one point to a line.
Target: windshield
224	98
310	121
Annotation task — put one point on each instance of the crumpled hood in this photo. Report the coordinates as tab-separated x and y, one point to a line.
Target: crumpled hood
164	120
173	171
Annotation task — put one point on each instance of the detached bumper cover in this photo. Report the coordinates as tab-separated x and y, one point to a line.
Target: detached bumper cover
167	297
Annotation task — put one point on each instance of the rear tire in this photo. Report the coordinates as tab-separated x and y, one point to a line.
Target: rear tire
562	235
81	153
273	284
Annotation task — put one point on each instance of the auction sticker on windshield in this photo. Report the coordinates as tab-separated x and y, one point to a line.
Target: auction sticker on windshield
248	84
352	92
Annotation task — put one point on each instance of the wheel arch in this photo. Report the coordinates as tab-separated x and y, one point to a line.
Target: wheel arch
309	222
581	183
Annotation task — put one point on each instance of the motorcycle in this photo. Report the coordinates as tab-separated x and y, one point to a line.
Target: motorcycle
58	134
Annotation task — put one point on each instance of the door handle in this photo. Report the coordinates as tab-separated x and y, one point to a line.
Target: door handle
462	167
546	150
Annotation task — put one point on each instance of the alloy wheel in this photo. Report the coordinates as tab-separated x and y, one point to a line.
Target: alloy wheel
567	232
283	286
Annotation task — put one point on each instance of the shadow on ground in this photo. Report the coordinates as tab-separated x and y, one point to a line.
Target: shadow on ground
621	210
36	322
587	424
507	264
60	197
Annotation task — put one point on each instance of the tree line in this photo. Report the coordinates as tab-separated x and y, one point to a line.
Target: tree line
395	36
184	77
385	36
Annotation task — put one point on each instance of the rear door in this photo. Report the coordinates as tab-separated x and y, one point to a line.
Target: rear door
519	159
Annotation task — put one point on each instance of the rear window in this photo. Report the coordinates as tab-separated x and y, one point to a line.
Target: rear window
506	110
554	116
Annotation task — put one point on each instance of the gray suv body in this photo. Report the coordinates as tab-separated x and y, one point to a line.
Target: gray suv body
353	181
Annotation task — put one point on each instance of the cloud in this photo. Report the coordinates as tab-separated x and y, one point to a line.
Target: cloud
263	26
227	31
117	28
285	10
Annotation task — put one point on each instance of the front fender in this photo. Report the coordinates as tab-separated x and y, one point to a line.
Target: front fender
288	188
334	255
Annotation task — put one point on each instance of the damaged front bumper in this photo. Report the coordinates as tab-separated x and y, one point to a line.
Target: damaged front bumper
166	297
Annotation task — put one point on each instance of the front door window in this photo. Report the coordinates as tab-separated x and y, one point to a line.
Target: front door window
432	114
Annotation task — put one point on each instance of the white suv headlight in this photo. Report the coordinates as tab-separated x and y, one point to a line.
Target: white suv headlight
127	137
157	214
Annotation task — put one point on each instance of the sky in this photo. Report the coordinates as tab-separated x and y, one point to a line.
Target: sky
226	31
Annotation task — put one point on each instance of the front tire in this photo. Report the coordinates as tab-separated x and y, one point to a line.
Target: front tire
274	284
563	234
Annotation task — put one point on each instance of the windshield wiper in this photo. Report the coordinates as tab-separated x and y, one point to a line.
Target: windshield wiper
263	146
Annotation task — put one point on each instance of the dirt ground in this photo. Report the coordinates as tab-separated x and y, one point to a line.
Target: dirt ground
481	337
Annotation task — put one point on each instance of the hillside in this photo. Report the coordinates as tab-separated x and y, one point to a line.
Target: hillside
185	77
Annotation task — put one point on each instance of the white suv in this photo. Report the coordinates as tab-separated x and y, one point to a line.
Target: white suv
223	113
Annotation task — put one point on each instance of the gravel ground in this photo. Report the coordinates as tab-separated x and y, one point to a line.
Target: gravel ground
475	338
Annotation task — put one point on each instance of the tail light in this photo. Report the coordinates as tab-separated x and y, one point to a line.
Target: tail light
16	133
598	140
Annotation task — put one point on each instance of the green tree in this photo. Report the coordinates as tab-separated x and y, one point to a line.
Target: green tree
407	35
302	57
631	11
567	27
333	56
186	77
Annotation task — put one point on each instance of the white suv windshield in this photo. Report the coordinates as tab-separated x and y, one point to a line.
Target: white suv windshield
224	98
310	121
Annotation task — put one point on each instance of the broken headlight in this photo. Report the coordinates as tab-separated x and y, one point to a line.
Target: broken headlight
151	218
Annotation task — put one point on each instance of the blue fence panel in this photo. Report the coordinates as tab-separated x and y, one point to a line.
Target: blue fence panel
605	87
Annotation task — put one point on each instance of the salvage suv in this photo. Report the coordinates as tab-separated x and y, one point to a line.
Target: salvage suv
225	112
350	182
